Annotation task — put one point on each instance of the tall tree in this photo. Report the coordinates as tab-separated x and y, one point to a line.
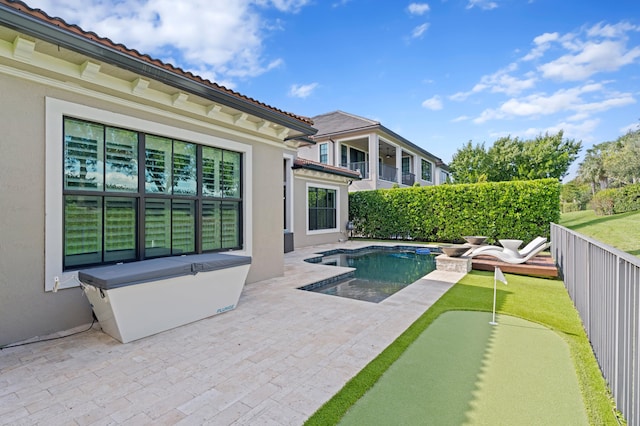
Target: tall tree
546	156
505	156
591	170
622	160
470	164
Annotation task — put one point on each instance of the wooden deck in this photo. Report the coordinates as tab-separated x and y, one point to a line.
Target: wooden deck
540	266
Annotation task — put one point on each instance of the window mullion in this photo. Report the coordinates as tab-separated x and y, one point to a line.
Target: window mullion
142	166
198	207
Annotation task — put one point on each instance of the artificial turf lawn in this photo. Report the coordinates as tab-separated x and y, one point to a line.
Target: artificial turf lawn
538	300
462	370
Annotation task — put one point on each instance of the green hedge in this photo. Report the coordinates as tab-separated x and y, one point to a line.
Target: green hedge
617	200
446	213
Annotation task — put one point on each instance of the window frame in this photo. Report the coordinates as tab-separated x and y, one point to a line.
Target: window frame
184	232
56	109
323	147
431	168
444	177
316	185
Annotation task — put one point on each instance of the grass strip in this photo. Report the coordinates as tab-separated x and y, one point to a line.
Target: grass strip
538	300
619	230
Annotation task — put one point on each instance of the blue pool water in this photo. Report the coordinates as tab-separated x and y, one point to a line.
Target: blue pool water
380	271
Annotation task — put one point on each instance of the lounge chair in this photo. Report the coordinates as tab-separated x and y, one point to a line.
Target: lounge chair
508	257
533	245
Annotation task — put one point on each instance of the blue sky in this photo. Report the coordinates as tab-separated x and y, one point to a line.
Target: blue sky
439	73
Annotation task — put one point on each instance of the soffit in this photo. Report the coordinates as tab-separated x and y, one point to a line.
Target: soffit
94	65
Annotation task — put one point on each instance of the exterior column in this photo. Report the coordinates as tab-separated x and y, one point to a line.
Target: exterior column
398	165
374	147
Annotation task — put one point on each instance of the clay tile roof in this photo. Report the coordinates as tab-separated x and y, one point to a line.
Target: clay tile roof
302	163
108	43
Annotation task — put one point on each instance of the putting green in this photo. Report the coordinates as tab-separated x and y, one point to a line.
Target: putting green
462	370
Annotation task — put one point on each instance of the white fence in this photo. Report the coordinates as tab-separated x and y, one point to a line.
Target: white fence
604	283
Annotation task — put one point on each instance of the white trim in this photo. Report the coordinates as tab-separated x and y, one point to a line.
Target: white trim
290	213
320	145
219	121
338	220
433	170
55	109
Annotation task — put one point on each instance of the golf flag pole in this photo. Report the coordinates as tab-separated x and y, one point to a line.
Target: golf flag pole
497	276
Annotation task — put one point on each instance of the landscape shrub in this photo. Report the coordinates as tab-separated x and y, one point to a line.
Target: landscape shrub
627	199
602	202
570	207
617	200
446	213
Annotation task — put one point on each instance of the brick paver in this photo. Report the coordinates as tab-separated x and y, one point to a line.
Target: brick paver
274	360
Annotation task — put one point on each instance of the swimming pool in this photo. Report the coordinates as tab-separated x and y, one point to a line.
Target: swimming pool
379	271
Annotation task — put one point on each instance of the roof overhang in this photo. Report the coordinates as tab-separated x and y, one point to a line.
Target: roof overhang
382	129
300	163
83	44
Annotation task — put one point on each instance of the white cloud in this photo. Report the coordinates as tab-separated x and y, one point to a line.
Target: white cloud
302	90
630	128
340	3
589	51
418	8
434	103
419	30
284	5
611	30
500	82
488	114
542	44
593	58
562	101
217	39
460	96
588	109
578	131
482	4
460	119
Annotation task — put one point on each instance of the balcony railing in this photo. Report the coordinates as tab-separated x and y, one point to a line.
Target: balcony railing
408	179
360	166
388	173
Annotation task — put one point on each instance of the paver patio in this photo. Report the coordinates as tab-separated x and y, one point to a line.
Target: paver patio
273	360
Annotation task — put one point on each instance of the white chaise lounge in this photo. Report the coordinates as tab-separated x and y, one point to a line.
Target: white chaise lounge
536	246
525	251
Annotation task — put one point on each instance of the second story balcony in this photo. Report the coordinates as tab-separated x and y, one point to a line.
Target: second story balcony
388	173
360	166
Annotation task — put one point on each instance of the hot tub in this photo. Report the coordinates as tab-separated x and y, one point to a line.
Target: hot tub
138	299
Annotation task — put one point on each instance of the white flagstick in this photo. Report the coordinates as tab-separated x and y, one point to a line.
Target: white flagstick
498	275
493	321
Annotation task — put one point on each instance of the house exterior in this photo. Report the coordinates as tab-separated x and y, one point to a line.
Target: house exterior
111	156
384	158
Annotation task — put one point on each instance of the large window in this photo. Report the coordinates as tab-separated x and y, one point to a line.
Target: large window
322	208
426	170
131	196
